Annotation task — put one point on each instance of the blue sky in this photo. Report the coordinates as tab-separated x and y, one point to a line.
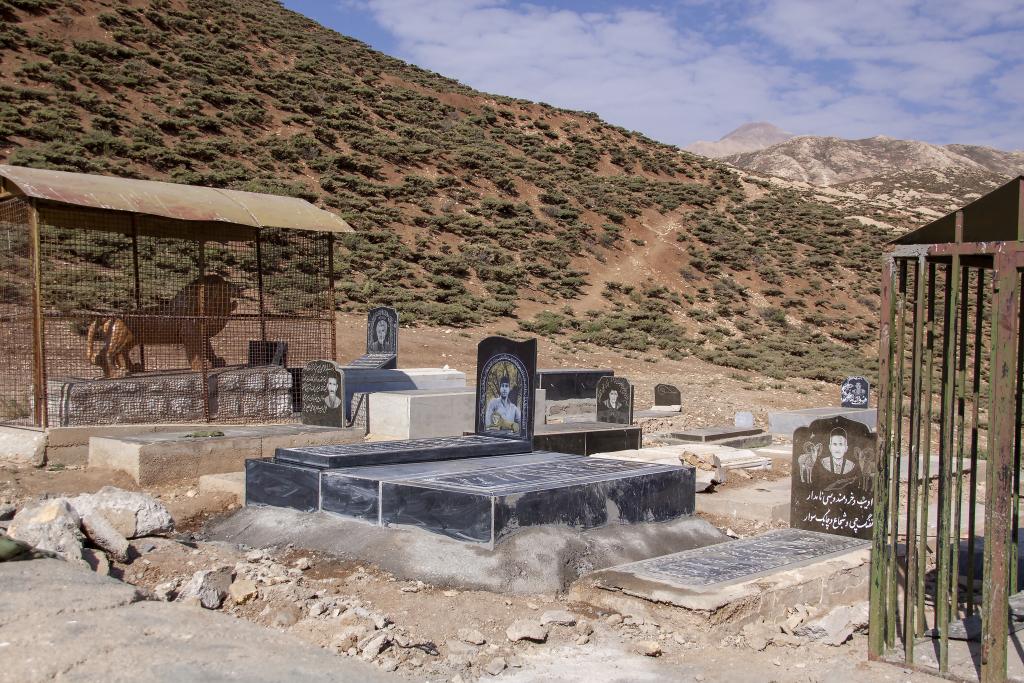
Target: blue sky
935	70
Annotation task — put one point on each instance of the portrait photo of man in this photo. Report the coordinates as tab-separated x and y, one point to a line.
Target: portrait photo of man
836	461
332	400
380	337
502	412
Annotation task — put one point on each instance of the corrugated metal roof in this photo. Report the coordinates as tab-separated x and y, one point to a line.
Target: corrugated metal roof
995	217
170	200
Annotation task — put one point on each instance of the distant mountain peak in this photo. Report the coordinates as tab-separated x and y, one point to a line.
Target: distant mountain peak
832	161
749	137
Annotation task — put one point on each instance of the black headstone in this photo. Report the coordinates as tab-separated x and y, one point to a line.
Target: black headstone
382	331
833	477
323	394
667	395
268	353
853	392
615	400
505	372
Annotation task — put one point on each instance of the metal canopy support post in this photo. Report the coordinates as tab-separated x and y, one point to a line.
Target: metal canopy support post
999	493
38	323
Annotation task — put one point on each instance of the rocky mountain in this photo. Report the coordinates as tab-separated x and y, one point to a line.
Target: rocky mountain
749	137
833	161
469	208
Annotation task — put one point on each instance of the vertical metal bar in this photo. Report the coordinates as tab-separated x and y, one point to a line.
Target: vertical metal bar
205	360
942	587
259	285
137	285
1017	447
881	554
330	297
38	322
911	579
972	492
1003	373
925	448
960	391
896	444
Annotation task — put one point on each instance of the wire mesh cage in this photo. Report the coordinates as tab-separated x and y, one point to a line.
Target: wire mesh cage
134	318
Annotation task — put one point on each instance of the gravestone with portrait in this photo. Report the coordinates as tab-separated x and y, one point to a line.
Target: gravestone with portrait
832	488
615	400
854	392
323	393
381	340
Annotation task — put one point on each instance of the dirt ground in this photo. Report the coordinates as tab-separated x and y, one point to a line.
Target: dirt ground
339	604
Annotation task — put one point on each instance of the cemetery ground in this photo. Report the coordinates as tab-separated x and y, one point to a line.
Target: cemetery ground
355	610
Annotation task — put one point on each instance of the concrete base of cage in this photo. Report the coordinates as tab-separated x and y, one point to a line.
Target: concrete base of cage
250	394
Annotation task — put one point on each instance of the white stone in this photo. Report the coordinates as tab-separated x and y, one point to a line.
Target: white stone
132	514
209	587
49	525
103	534
527	629
561	617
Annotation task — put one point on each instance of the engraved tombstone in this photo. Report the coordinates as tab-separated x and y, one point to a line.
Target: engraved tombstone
382	331
833	477
615	400
505	375
667	395
853	392
323	394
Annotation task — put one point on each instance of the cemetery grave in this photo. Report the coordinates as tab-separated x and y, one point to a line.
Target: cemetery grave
480	487
613	429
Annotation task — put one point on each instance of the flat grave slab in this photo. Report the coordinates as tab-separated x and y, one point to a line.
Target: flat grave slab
390	452
587	438
381	361
705	434
725	585
731	562
484	500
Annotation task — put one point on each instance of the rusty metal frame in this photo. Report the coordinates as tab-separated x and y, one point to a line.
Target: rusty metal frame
974	344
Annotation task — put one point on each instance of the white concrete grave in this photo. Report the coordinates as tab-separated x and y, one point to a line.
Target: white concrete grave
427	413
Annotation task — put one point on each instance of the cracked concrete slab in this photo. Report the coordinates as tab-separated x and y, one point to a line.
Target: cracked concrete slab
64	622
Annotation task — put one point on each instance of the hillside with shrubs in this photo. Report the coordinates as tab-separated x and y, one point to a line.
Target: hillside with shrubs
468	207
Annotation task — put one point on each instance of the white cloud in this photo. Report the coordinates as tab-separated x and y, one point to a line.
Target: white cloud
926	69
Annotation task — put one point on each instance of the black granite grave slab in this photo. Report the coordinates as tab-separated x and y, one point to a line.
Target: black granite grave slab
505	379
705	434
282	485
614	400
391	452
375	361
587	438
832	475
734	561
565	383
667	395
323	394
855	392
354	491
486	499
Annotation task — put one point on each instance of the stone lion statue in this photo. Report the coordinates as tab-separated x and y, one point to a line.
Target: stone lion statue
109	341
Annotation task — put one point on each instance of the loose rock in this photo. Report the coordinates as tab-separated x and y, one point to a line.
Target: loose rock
97	561
614	619
49	525
167	590
102	533
836	627
471	636
209	586
242	591
525	629
560	617
496	666
375	645
648	648
132	514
